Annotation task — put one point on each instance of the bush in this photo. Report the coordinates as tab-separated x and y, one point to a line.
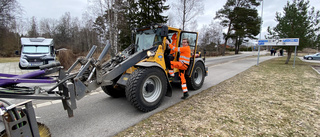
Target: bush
66	58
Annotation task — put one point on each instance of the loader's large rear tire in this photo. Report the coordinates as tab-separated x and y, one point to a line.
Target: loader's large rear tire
146	88
196	80
113	92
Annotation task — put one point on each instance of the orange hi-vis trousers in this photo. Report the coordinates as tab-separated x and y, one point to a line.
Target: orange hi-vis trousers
180	66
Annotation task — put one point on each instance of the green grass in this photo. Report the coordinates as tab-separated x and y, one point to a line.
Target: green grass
9	59
272	99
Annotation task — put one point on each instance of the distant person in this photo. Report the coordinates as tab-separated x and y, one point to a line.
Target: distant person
281	52
272	50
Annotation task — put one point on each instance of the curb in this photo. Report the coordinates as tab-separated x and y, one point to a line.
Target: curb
59	101
315	70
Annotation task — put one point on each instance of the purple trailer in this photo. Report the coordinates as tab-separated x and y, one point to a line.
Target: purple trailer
31	77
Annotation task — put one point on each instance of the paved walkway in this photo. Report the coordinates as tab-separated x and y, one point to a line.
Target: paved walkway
13	68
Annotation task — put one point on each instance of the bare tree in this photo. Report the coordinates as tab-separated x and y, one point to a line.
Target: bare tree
187	11
33	31
63	31
9	9
87	29
9	12
204	37
211	36
107	21
47	27
216	33
113	8
171	20
193	26
97	9
19	26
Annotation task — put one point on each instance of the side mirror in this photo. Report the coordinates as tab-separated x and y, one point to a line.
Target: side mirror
16	52
133	32
204	55
164	31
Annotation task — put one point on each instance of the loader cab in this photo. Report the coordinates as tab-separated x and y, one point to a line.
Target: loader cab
192	37
145	39
148	37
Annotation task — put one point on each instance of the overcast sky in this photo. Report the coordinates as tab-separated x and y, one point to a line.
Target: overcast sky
57	8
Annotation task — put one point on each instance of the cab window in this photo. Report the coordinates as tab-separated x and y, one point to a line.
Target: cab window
192	37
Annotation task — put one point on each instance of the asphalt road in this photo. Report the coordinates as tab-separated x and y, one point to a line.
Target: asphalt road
100	115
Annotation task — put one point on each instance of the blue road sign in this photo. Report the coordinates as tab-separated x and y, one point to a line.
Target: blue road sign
263	40
279	42
291	40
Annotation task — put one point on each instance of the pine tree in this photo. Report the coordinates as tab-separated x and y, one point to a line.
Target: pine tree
127	21
118	21
297	22
149	12
241	19
246	25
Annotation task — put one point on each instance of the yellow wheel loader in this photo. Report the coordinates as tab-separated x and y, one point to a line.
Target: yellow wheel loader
145	80
140	72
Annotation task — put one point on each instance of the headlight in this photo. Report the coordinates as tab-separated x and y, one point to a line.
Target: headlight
24	61
150	53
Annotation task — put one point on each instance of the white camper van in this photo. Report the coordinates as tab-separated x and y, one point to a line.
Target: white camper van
36	52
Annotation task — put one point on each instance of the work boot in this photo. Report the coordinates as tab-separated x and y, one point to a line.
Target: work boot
171	78
185	95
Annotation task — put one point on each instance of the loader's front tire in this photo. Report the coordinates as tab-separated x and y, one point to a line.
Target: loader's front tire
146	88
196	80
113	92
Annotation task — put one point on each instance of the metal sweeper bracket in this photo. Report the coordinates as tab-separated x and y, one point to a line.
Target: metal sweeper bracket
71	86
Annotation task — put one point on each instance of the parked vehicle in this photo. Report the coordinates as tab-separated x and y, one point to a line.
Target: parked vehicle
314	56
36	52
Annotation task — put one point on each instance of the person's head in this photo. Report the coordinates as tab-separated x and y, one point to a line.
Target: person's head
185	42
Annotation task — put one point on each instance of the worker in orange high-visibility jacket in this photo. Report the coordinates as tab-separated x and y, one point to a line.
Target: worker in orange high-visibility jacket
171	55
174	41
182	64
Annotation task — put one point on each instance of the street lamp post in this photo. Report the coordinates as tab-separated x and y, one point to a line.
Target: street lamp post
260	31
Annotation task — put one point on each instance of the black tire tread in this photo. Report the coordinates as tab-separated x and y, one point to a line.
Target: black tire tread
133	85
115	93
190	81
